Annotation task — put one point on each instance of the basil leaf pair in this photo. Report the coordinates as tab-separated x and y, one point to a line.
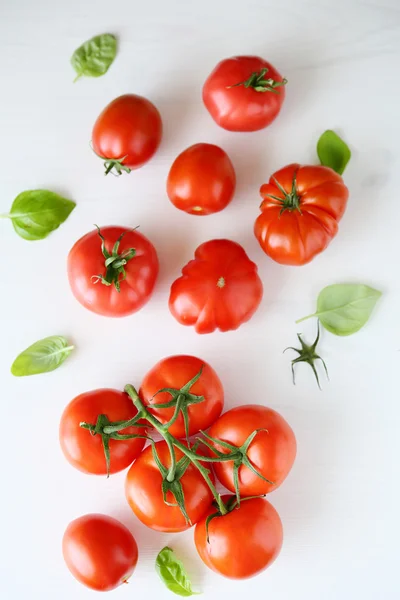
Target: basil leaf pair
173	574
36	213
344	308
95	56
43	356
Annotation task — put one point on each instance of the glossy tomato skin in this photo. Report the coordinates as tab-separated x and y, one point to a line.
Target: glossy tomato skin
175	372
86	260
144	495
272	452
129	126
219	289
240	108
295	237
202	180
85	451
99	551
243	542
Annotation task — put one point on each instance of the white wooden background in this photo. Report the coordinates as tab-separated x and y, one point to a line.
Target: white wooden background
340	504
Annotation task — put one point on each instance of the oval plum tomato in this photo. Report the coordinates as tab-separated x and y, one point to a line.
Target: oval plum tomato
99	551
144	492
175	372
220	288
127	133
202	180
300	212
112	271
244	93
85	451
243	542
271	453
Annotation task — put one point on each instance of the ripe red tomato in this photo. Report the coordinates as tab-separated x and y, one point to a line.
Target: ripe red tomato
85	451
127	133
175	372
122	287
272	452
144	493
220	288
99	551
300	212
243	542
244	93
202	180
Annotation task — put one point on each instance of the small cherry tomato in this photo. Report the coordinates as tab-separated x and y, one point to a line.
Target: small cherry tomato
112	271
99	551
85	451
202	180
272	451
127	133
219	289
244	93
144	492
174	373
243	542
300	212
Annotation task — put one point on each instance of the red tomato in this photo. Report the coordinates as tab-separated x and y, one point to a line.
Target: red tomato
175	372
243	542
129	279
244	93
202	180
300	212
272	452
99	551
144	493
220	288
85	451
127	133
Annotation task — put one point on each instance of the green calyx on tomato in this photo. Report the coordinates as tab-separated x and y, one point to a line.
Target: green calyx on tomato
114	263
239	456
230	505
180	401
290	200
259	83
172	475
308	355
99	429
114	163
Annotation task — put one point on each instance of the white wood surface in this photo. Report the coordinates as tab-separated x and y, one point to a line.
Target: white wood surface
340	504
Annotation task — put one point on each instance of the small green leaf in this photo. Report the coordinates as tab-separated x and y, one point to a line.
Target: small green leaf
36	213
95	56
344	308
333	151
43	356
173	573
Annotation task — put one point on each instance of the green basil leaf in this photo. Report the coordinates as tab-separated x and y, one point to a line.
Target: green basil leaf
43	356
95	56
173	573
36	213
333	151
344	308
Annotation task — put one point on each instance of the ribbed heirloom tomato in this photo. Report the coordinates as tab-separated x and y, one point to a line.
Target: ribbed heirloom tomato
174	372
127	133
271	452
201	180
86	451
243	542
143	490
300	212
112	271
219	289
99	551
244	93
